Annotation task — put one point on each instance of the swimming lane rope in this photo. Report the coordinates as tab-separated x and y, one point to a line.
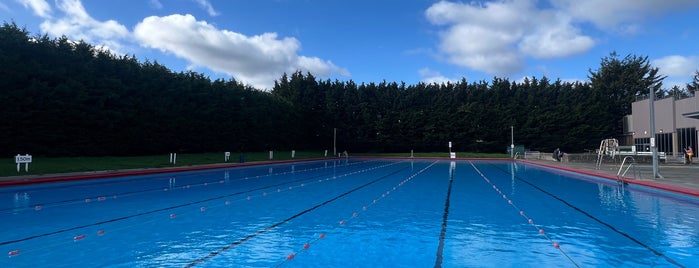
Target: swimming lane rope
103	197
275	225
296	184
342	222
589	215
524	215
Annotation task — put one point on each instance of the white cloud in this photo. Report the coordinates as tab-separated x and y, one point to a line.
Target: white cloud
619	15
554	37
40	7
430	77
257	60
78	25
208	7
677	66
155	4
496	37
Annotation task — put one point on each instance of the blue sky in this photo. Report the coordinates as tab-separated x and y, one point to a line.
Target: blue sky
255	41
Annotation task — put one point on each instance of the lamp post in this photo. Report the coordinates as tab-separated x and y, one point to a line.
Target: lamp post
512	141
653	147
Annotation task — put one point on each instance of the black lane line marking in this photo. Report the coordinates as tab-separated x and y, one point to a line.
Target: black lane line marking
259	232
76	200
656	252
442	234
152	211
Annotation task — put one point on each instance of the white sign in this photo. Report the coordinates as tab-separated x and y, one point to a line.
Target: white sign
26	159
226	156
449	144
452	155
293	154
23	159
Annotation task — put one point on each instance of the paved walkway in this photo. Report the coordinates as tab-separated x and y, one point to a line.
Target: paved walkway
672	174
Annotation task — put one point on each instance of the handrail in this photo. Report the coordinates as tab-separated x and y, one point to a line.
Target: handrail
620	176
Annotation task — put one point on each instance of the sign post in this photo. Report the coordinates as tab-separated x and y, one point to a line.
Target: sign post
26	159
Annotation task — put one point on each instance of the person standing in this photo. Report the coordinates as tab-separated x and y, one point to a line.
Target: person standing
689	154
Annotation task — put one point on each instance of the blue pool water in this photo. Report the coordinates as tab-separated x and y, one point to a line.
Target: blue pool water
350	213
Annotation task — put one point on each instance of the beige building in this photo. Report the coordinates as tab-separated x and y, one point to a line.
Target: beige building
676	125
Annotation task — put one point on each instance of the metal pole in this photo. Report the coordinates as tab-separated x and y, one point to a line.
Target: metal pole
512	142
653	147
335	141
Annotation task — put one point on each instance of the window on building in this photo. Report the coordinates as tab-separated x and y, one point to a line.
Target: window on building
664	143
687	137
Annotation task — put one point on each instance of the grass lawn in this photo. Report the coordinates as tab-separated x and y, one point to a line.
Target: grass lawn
54	165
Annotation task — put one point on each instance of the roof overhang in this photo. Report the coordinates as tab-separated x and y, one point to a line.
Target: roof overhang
694	115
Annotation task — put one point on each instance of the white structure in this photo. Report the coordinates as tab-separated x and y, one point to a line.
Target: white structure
23	159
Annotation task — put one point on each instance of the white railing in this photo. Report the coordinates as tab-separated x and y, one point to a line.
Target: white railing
632	164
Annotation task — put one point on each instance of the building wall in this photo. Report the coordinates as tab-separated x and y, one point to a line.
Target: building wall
668	118
688	105
641	118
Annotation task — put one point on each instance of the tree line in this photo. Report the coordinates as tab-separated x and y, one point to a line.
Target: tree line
66	98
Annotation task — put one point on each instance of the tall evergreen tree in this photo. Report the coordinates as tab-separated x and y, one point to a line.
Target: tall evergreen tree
619	82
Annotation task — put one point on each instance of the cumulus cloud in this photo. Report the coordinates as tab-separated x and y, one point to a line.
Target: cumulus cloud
257	60
677	66
554	37
78	25
496	37
40	7
619	15
434	77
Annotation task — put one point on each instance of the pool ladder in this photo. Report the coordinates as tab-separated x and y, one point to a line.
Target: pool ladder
632	164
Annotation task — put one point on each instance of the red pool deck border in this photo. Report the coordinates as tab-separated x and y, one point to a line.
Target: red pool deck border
651	184
38	179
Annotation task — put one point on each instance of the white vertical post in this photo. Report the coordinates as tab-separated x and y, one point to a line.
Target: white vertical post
653	148
174	158
326	153
170	158
271	155
512	141
26	159
293	154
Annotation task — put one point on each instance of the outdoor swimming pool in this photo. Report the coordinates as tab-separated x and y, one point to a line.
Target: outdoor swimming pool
350	213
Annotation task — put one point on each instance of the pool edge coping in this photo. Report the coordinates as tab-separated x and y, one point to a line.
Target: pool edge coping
646	183
137	172
91	175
